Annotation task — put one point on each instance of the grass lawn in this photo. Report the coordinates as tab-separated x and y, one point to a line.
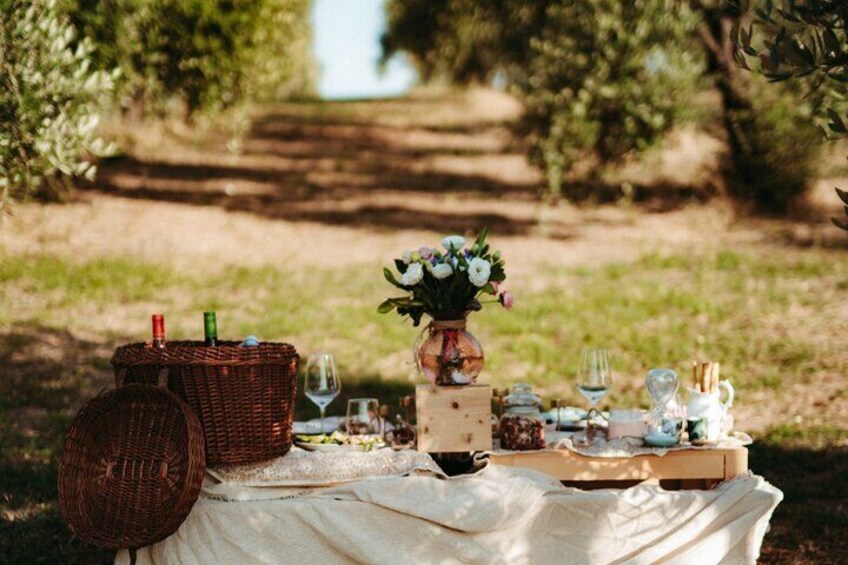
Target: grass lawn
771	318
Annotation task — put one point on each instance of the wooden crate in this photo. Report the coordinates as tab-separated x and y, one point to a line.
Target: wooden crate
454	418
687	468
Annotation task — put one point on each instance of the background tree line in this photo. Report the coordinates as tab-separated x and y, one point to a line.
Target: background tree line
601	79
64	63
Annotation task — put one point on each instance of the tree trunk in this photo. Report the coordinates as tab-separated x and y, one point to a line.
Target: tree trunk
737	111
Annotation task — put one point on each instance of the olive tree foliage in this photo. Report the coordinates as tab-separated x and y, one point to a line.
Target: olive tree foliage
206	54
804	41
464	41
596	76
50	96
608	78
798	39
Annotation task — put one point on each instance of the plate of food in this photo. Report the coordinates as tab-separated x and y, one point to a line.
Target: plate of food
338	441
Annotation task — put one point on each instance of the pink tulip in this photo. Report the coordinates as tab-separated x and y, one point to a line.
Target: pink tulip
426	253
507	299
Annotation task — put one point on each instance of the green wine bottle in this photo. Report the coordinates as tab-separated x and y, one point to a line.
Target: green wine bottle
210	328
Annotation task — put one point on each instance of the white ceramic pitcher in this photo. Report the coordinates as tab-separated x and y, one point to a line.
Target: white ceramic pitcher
709	405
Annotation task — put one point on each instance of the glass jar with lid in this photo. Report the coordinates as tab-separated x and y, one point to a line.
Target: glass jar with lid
522	426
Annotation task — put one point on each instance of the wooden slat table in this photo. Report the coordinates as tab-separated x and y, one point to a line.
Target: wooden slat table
676	469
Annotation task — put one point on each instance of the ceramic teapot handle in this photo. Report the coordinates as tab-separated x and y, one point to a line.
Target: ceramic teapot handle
728	388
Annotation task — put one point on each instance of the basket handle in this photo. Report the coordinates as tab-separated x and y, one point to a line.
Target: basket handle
122	376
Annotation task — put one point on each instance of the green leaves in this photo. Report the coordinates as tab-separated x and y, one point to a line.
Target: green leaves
800	40
454	293
391	303
837	124
842	223
208	55
606	78
49	102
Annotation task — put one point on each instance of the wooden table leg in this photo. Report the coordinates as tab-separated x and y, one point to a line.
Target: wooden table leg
735	463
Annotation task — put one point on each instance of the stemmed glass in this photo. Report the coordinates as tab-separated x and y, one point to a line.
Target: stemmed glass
322	383
594	378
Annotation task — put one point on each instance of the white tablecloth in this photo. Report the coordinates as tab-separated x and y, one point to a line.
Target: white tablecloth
499	515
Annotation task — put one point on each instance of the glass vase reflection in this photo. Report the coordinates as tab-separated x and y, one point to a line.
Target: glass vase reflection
449	355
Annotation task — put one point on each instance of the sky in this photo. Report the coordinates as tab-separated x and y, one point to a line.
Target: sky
347	47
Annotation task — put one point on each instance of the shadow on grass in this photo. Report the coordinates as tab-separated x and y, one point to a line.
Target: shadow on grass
47	375
293	203
327	169
810	466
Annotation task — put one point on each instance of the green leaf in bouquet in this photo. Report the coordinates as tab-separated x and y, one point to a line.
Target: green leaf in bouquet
391	278
488	289
481	237
403	302
386	306
401	266
497	276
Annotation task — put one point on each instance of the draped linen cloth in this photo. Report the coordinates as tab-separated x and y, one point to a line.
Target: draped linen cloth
499	515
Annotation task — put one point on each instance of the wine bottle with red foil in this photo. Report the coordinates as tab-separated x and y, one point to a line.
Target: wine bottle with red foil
158	331
210	329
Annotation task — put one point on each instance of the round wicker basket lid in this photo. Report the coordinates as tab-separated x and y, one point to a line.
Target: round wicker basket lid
132	467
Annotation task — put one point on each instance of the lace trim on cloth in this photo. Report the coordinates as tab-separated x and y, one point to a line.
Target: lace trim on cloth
622	448
300	468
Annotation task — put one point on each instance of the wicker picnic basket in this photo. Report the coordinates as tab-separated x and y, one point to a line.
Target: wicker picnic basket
243	396
132	467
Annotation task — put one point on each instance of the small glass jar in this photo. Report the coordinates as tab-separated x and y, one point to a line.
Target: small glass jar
522	426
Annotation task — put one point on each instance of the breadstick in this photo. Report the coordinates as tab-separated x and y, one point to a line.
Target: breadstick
716	369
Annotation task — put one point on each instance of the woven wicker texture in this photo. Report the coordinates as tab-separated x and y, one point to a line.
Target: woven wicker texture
132	467
243	396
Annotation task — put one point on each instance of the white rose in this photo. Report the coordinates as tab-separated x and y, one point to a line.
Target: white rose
406	257
479	271
413	275
455	241
442	271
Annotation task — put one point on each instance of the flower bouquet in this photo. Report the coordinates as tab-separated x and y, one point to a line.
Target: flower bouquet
447	286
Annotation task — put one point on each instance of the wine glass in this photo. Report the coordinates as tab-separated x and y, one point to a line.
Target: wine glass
594	377
322	383
362	416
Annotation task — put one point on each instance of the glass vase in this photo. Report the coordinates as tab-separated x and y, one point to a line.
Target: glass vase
448	355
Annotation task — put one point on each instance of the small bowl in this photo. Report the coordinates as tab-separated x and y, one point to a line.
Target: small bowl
661	440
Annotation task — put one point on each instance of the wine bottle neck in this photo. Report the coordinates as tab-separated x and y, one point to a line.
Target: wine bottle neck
158	331
210	329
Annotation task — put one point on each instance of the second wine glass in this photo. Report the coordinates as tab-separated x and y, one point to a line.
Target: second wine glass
594	377
322	384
